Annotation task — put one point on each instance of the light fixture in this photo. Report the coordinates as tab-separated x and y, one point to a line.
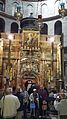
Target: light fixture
39	21
39	18
18	14
62	10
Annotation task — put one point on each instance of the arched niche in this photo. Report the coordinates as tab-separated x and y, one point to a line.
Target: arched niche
28	23
2	5
14	27
29	9
2	25
32	76
44	29
58	28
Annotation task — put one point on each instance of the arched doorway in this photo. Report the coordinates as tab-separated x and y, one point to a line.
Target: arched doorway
44	29
28	77
58	28
2	25
14	27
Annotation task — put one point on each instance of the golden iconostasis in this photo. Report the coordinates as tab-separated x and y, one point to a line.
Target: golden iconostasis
31	52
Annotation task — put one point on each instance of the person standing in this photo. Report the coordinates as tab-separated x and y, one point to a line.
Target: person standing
34	99
60	105
25	102
9	105
19	94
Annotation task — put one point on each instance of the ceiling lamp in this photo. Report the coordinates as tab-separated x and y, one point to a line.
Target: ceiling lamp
39	18
18	14
62	10
40	21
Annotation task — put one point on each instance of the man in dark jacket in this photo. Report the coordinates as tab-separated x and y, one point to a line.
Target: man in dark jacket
19	94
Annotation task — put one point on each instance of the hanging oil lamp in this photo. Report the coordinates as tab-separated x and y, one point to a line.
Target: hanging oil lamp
62	10
18	14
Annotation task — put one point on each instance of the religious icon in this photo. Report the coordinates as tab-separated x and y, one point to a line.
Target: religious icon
30	39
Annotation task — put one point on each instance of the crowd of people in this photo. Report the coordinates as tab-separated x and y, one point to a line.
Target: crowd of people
36	99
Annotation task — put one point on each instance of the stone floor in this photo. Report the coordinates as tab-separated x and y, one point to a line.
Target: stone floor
54	116
51	116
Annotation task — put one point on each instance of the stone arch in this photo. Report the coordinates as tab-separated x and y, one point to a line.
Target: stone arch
14	27
29	9
28	23
26	75
2	5
2	25
44	29
58	28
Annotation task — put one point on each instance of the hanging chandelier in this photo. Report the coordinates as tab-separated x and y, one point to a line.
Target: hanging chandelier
39	21
18	14
62	11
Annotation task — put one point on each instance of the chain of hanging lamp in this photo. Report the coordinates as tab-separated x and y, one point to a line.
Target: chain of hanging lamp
40	19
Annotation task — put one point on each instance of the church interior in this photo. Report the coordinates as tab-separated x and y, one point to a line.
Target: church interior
33	42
